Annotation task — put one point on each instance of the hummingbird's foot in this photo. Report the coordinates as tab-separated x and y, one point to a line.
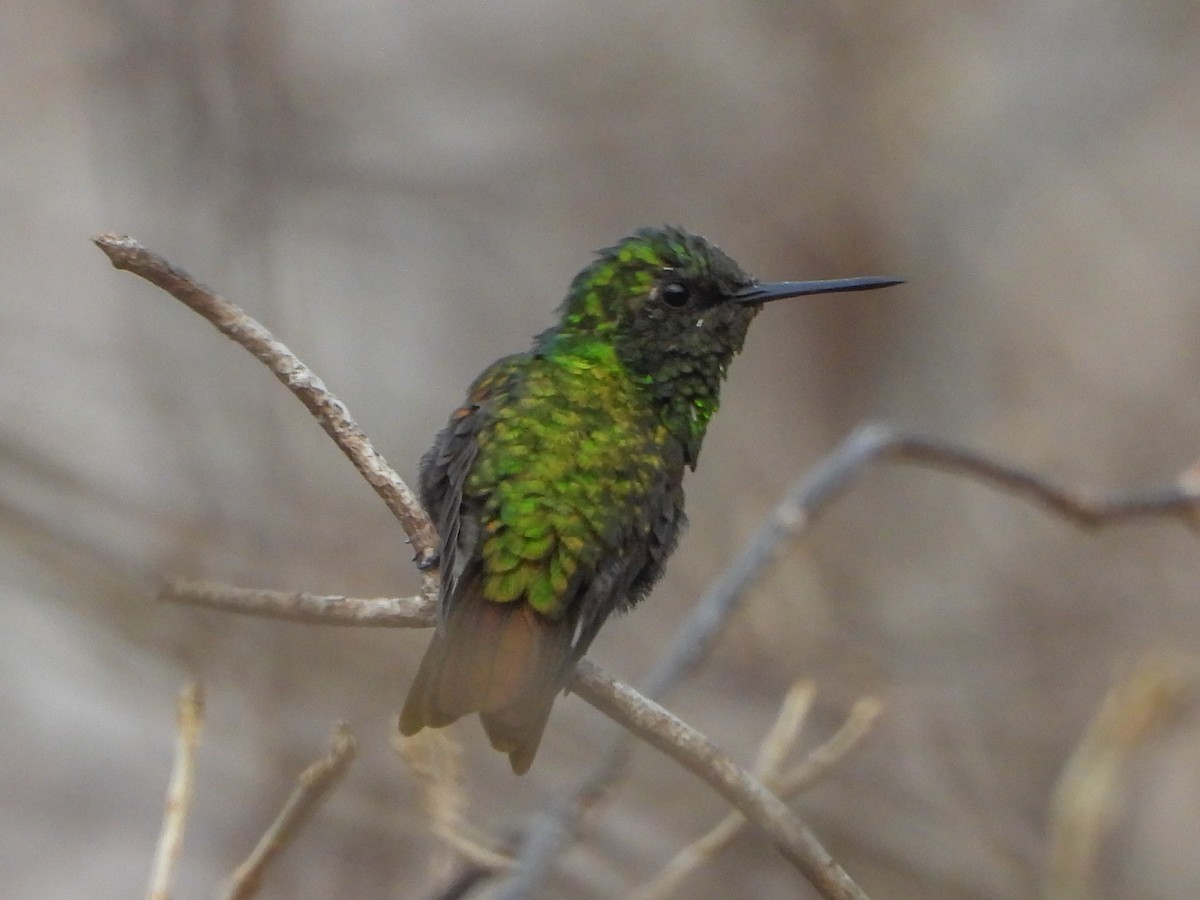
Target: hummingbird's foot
430	561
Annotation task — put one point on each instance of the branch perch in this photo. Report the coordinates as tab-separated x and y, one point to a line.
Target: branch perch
819	763
299	606
694	638
699	755
794	839
619	702
549	831
233	322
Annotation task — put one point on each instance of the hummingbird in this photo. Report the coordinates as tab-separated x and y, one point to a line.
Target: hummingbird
556	488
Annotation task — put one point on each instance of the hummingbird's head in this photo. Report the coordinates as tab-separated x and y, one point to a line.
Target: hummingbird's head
665	293
657	293
675	309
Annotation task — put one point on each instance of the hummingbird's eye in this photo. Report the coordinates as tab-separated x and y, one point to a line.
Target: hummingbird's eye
675	294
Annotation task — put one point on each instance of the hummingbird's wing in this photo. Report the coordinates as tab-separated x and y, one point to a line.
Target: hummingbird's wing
443	472
557	502
503	660
637	562
443	476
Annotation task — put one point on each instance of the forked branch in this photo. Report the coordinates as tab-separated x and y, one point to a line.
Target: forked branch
639	715
697	634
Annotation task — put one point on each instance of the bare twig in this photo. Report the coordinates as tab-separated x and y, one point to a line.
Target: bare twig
700	756
550	830
299	606
772	752
126	253
189	717
313	784
435	758
816	766
781	737
1088	791
1180	500
659	728
821	761
833	475
694	639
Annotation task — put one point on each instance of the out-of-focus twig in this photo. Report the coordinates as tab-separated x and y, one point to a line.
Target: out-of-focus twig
785	730
310	791
839	470
815	766
779	740
686	746
821	761
1086	797
189	718
550	830
434	758
695	752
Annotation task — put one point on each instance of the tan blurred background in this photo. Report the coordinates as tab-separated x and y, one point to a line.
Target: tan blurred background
401	191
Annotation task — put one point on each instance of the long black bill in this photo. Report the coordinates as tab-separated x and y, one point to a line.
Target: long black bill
779	290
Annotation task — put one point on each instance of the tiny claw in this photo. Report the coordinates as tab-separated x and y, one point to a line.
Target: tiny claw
430	561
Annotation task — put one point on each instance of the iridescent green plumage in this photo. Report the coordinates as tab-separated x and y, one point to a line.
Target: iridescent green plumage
569	444
556	488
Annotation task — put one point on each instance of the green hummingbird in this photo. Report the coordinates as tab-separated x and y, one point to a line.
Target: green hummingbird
556	487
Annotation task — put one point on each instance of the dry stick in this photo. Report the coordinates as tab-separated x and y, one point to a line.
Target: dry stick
797	843
781	737
314	783
549	831
189	717
299	606
1090	787
699	755
126	253
624	705
812	494
435	761
819	763
551	828
380	612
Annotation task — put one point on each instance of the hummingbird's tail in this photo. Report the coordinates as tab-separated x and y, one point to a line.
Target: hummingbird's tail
502	660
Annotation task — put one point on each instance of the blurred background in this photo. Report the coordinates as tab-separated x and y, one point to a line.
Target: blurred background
401	192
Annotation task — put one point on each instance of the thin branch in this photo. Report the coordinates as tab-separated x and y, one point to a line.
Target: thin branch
838	471
656	726
775	747
549	831
785	730
435	759
126	253
817	765
1086	799
695	638
299	606
1178	501
189	718
313	784
821	761
700	756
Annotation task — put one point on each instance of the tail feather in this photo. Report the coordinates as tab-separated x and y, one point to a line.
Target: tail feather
502	660
517	729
